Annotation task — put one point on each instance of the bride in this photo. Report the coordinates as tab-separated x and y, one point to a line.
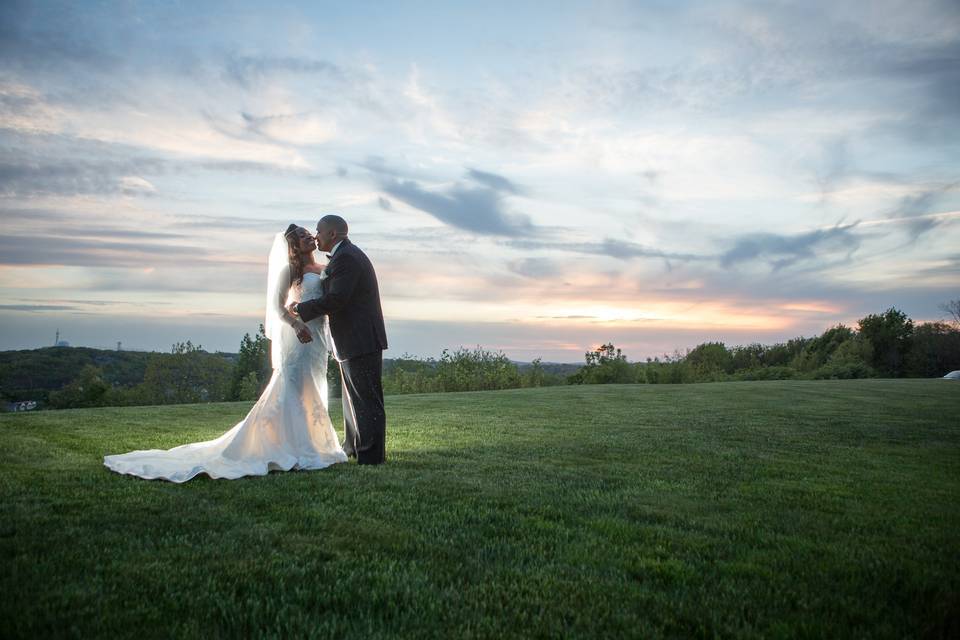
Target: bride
289	427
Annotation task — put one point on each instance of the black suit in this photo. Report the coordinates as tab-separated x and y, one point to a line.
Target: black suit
351	301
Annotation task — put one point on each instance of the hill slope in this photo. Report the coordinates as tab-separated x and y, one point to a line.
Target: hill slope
822	509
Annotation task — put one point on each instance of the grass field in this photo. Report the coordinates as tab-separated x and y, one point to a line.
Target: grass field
774	509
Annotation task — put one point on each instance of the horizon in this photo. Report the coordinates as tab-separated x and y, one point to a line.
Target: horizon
537	182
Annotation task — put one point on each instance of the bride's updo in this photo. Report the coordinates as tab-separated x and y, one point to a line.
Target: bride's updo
293	254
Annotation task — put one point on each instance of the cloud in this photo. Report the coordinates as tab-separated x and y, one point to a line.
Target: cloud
535	268
65	224
493	181
784	250
291	128
31	177
624	250
610	247
379	166
479	210
38	307
53	250
244	166
250	71
916	207
384	204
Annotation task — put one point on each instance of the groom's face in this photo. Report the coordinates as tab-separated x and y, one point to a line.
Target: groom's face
326	237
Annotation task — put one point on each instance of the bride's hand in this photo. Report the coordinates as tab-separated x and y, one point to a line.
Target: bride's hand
303	333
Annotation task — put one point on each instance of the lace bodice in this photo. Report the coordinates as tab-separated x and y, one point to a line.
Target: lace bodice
311	287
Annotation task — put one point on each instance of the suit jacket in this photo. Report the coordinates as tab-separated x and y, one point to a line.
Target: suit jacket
351	300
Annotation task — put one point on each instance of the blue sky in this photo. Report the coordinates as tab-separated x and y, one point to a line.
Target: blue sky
537	181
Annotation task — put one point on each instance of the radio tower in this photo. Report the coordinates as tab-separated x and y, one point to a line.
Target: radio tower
57	341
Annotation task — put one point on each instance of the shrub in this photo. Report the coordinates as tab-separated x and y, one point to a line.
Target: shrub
844	371
768	373
476	370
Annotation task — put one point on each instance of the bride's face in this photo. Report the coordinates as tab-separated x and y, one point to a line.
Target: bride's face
307	243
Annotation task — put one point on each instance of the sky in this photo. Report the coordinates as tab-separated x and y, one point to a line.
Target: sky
536	178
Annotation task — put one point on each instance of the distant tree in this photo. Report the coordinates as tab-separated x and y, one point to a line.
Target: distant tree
745	358
408	374
88	389
851	359
782	354
534	376
249	388
252	368
952	309
890	335
710	361
817	351
605	365
670	369
187	374
935	350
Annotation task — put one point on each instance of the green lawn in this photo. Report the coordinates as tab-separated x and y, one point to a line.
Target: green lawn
773	509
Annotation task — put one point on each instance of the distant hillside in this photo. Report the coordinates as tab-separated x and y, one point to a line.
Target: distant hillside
31	374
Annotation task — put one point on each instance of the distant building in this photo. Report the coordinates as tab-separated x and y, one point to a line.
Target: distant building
57	342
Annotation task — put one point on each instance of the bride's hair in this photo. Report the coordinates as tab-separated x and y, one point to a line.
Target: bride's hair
293	254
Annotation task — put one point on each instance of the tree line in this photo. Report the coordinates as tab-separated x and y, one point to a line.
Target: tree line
888	344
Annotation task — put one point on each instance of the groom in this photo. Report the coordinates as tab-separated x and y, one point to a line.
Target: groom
351	300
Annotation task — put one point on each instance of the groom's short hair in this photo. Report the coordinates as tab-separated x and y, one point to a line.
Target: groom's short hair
335	222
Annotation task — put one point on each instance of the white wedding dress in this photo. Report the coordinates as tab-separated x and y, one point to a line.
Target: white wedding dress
288	428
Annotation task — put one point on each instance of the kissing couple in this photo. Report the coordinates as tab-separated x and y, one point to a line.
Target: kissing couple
312	308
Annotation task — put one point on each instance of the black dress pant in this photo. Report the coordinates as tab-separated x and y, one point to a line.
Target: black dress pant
364	418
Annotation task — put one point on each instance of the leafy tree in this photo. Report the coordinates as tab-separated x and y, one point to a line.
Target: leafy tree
744	358
817	351
411	375
890	335
534	376
710	361
88	389
935	350
187	374
249	388
605	365
253	367
782	354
